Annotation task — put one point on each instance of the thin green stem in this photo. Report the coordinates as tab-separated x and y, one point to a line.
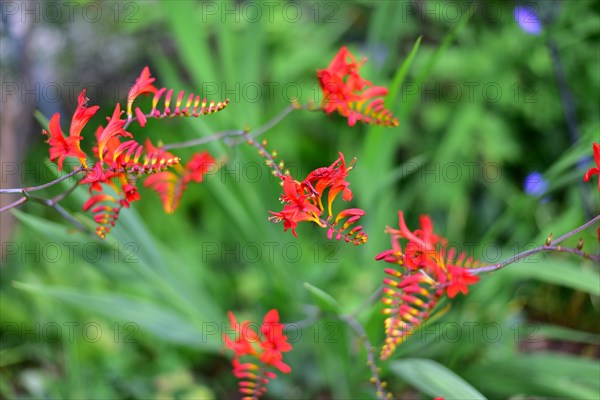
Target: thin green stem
66	193
577	230
551	246
45	185
14	204
358	329
274	121
264	153
362	334
203	140
238	132
25	191
53	203
372	299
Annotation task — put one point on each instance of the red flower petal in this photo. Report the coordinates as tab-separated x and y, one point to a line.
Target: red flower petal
141	117
594	170
143	85
82	115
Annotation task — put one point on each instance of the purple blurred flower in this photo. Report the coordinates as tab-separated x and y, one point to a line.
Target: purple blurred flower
528	20
535	184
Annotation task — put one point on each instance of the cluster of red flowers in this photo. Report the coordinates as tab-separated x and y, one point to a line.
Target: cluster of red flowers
119	164
303	201
354	97
261	351
425	269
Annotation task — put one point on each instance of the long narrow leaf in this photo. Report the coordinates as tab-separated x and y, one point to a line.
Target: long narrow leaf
434	379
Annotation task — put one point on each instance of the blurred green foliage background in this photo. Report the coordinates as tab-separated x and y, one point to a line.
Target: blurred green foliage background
141	314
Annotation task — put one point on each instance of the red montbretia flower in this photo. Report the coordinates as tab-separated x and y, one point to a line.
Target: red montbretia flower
261	353
112	131
460	278
298	206
143	85
170	185
303	201
424	269
594	170
274	343
334	178
61	147
352	96
242	344
131	193
82	114
96	175
200	165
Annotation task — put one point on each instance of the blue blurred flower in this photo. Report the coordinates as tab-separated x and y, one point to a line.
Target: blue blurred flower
528	20
535	184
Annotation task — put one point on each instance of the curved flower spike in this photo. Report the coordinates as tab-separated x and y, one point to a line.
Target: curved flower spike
356	234
423	269
193	107
262	353
106	212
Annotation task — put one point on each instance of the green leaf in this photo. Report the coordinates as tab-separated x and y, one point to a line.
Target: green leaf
324	300
542	374
382	140
434	379
571	157
561	333
193	43
53	230
41	119
558	271
401	73
155	319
